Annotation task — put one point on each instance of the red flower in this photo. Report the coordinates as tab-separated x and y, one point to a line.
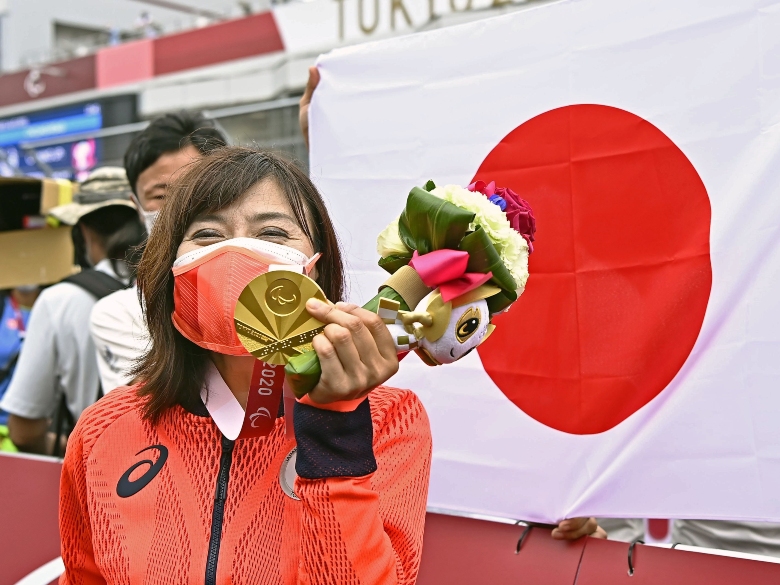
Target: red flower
518	210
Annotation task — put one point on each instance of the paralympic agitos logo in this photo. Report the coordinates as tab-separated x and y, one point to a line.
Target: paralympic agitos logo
126	488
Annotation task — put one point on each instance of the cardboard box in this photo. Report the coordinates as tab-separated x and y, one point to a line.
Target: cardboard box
33	256
42	256
25	197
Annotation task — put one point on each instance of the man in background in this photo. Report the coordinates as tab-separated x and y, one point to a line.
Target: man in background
152	160
56	373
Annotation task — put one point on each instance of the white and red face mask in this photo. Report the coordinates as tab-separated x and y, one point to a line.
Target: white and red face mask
209	280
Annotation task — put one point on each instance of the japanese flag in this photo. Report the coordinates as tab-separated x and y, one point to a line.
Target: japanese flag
639	374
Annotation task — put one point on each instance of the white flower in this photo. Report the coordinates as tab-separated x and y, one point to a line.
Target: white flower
514	255
488	215
510	245
389	242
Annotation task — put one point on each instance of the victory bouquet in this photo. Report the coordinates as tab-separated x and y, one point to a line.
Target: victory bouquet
456	257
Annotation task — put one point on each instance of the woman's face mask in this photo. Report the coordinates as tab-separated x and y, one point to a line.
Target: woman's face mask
209	280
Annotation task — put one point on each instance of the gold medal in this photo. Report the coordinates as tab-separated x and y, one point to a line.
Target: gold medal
271	318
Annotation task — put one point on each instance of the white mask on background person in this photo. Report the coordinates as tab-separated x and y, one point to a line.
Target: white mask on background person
148	217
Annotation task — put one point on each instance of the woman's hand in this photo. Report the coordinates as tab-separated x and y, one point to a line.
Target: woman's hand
575	528
356	351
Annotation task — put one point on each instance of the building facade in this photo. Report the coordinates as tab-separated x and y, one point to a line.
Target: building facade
247	71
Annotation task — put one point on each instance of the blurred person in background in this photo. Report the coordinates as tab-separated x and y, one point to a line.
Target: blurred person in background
56	374
758	538
169	143
146	27
15	305
623	529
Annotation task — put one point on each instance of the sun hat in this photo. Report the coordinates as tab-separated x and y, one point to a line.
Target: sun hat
103	187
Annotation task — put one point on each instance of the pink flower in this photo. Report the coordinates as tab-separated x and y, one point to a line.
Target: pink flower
518	210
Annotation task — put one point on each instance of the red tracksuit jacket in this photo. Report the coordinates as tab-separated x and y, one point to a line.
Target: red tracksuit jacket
177	503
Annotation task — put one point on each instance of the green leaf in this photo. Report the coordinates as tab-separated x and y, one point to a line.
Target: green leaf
429	223
430	186
500	301
385	293
303	373
484	258
394	262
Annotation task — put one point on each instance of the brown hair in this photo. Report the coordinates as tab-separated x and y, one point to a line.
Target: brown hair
173	369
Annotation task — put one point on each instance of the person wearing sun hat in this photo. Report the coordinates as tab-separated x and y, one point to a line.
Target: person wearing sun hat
57	370
100	216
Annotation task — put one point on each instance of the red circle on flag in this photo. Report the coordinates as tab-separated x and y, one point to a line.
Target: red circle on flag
620	274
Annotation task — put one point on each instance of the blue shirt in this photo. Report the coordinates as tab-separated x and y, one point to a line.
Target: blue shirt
11	337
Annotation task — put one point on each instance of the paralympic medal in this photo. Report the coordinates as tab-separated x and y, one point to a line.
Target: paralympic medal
271	318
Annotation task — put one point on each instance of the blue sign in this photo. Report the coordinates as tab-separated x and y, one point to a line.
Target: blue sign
68	160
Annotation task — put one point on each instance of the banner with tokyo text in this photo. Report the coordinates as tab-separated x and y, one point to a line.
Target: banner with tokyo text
639	373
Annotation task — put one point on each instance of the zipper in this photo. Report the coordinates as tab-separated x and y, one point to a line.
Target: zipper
218	514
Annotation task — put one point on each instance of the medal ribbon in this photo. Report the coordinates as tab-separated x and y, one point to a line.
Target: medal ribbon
265	394
262	405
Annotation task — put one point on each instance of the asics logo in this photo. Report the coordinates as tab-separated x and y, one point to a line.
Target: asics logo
126	488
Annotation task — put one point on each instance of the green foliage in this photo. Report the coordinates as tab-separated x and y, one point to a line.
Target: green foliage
385	293
394	262
484	258
429	223
303	373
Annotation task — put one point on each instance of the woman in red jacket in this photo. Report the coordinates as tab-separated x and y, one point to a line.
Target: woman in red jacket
154	492
161	486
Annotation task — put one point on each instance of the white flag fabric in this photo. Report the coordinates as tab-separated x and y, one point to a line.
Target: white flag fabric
639	374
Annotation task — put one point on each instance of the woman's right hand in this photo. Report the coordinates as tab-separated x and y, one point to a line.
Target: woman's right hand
356	352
